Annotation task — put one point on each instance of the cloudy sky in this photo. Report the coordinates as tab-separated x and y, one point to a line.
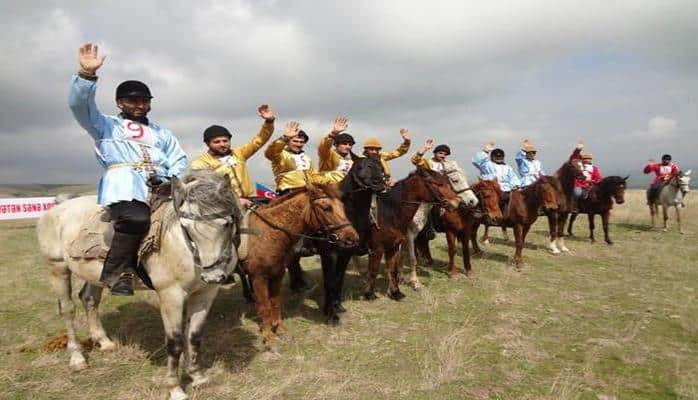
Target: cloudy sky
622	75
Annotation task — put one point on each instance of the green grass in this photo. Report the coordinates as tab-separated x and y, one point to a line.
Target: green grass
606	322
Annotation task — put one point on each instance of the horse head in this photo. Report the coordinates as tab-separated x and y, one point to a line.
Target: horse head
365	173
547	193
433	187
209	214
489	193
684	180
568	172
325	215
460	185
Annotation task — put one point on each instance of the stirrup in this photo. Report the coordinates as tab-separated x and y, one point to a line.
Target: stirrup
123	286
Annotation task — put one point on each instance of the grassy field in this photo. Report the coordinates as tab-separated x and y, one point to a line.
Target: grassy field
608	322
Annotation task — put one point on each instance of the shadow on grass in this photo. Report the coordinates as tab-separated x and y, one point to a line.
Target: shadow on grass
139	323
634	227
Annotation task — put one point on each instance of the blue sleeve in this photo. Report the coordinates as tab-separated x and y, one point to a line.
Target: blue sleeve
82	103
521	163
542	171
176	157
513	178
481	161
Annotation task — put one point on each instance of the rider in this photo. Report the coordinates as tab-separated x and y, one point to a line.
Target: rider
490	163
137	155
336	163
373	147
293	169
663	171
530	169
233	162
592	173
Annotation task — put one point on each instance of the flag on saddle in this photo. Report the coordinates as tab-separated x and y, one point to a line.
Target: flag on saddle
265	191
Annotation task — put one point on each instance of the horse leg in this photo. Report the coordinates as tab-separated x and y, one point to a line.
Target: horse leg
295	274
60	281
591	227
665	215
90	296
552	229
263	306
464	237
678	219
653	213
391	257
604	222
341	269
172	313
328	260
573	216
451	240
485	239
518	238
473	240
275	302
374	262
505	235
409	257
245	283
197	307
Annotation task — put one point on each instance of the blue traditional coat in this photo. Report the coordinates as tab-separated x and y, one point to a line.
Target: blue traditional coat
529	170
489	170
128	151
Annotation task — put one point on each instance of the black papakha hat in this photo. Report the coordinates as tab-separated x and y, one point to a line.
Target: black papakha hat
215	131
132	89
301	134
497	153
444	148
666	157
344	138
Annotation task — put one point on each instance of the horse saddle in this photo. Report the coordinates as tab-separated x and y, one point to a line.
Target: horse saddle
243	246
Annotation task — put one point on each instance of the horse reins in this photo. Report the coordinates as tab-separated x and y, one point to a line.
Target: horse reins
226	254
329	237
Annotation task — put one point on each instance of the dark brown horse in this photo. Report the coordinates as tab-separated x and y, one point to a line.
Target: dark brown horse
463	226
315	211
395	213
522	210
600	201
564	186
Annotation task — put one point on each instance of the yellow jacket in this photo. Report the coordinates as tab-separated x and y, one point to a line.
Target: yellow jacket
292	170
429	163
236	167
386	156
332	164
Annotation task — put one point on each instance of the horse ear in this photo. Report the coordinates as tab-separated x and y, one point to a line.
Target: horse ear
626	177
687	173
354	157
177	188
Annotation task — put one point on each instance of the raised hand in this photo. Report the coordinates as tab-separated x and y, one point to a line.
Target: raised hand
291	129
405	134
428	145
489	146
580	145
266	112
89	58
340	125
651	161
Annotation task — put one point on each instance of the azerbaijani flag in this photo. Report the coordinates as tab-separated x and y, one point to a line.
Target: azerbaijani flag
263	191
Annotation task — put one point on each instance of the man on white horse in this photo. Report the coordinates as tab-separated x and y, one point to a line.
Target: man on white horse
663	171
490	162
530	169
137	154
233	162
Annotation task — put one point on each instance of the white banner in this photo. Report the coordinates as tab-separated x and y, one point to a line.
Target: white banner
27	207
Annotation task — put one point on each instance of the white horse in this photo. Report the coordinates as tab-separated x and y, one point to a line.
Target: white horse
672	195
199	227
460	185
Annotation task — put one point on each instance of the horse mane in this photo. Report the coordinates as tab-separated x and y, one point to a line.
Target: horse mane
210	191
566	175
607	184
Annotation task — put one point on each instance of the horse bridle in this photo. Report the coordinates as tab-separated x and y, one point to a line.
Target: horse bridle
225	255
326	232
440	200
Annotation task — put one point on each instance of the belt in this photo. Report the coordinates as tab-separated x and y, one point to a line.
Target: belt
147	166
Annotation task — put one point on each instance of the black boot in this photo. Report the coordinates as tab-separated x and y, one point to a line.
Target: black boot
120	264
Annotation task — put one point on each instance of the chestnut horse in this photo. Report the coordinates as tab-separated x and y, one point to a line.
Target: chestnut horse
315	212
462	225
395	213
522	211
600	201
564	184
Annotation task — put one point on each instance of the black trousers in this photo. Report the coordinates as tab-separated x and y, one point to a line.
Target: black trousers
132	217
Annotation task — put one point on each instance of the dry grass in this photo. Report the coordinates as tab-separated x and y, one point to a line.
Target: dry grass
609	322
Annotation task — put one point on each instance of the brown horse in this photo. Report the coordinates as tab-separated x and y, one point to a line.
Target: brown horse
564	186
600	201
395	213
463	225
316	212
522	211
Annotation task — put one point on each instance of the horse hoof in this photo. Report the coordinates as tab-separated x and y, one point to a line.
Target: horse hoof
198	379
77	362
370	296
332	320
416	286
665	230
555	251
429	261
486	241
478	254
106	345
396	295
609	242
339	308
178	394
